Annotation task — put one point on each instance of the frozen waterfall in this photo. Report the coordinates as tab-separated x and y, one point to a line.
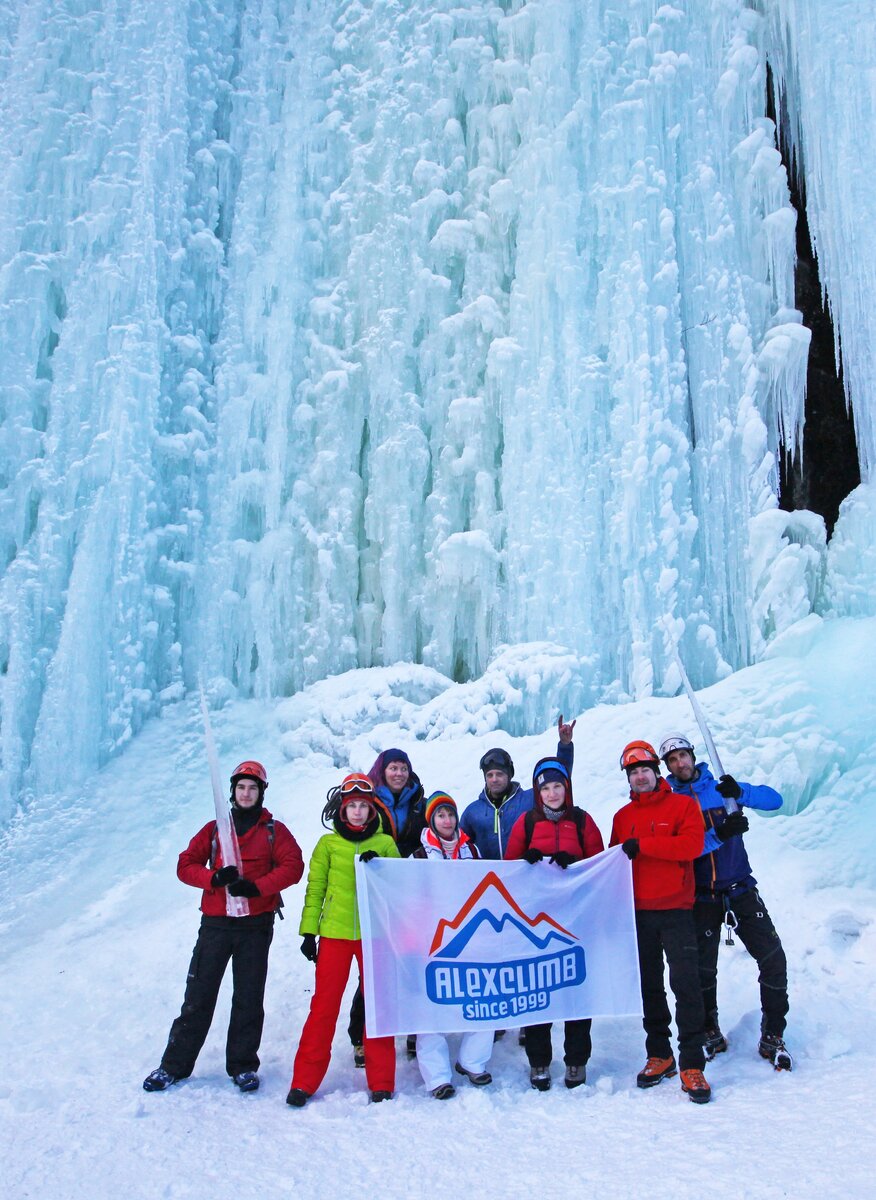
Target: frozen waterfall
357	332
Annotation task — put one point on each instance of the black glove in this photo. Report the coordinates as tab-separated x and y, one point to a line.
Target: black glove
308	946
243	887
630	848
533	856
733	823
368	855
563	858
224	876
728	788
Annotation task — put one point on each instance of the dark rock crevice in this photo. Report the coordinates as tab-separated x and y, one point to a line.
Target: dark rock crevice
828	469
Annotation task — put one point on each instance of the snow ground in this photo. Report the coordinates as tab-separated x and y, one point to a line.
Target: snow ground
97	932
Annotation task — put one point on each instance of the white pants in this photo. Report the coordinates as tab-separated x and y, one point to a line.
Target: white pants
433	1055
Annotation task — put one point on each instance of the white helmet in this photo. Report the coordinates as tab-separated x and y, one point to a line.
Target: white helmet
675	741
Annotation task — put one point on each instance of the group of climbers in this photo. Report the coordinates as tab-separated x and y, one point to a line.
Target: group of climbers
690	873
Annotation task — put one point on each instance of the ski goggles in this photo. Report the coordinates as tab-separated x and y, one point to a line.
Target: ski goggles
357	785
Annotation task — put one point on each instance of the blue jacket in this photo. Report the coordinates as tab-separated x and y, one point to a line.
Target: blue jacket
723	866
490	827
408	814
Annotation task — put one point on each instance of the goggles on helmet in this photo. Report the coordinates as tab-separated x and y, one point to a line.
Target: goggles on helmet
357	783
636	754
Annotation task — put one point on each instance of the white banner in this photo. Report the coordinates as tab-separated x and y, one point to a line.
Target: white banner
451	946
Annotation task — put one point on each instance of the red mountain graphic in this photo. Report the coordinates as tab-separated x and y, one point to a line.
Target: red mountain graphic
492	880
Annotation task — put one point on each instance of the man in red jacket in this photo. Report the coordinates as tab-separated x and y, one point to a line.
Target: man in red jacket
662	832
271	861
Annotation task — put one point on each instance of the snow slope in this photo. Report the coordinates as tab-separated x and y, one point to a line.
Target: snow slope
97	933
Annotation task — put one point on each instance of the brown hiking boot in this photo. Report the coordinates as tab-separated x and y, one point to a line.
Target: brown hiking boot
694	1083
654	1070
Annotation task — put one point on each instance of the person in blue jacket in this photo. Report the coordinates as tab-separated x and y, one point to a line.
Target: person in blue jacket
488	821
724	886
401	794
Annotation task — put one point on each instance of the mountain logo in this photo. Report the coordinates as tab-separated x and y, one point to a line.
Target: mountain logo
496	961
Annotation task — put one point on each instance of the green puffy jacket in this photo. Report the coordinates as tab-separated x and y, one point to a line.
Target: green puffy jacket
330	907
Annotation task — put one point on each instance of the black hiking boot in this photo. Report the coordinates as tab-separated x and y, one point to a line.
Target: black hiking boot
158	1080
540	1078
714	1042
297	1097
774	1049
247	1081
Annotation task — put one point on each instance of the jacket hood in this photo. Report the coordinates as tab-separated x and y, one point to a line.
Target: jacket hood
550	764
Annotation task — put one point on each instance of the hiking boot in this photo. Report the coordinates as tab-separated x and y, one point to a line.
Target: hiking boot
654	1070
158	1080
575	1076
770	1047
694	1083
378	1097
714	1042
540	1078
247	1081
478	1078
297	1097
444	1091
358	1056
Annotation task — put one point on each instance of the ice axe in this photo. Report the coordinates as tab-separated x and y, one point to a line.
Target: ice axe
730	922
714	758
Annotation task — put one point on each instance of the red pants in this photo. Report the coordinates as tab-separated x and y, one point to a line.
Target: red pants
315	1045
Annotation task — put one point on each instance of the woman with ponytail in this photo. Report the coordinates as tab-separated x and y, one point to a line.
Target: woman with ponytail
331	913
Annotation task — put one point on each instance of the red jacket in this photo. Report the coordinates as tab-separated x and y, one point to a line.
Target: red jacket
271	867
670	830
550	836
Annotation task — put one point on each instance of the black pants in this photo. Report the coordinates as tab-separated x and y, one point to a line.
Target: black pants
758	935
539	1050
671	932
246	941
356	1028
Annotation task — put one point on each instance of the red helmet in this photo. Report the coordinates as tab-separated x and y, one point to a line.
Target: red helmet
250	770
636	754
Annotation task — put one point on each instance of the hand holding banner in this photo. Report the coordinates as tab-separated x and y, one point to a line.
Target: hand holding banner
449	947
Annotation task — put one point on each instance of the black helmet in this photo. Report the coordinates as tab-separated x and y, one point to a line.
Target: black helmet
497	760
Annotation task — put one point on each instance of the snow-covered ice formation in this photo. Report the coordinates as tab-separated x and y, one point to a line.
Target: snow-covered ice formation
97	931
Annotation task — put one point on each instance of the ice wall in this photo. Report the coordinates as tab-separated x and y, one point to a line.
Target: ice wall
347	333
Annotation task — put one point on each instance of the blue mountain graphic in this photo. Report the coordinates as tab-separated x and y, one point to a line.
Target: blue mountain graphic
456	946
